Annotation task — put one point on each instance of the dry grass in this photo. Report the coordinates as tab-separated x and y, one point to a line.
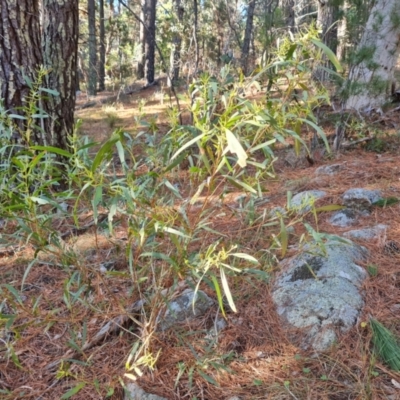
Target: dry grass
261	362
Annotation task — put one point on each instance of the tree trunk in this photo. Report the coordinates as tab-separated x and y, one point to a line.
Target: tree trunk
20	51
142	42
326	18
102	61
342	32
60	45
244	59
195	36
92	84
379	45
287	7
150	20
176	45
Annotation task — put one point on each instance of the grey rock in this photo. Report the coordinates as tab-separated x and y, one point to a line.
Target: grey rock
182	308
302	201
321	292
328	169
135	392
219	325
343	218
361	199
366	233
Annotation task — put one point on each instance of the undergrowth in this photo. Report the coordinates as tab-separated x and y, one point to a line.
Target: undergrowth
154	231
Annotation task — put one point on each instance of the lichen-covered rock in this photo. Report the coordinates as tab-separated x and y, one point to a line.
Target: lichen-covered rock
135	392
182	308
366	233
361	199
328	169
303	201
321	292
344	217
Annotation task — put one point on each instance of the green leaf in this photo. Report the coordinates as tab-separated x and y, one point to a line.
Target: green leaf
319	131
52	149
240	184
73	391
262	145
188	144
175	232
50	91
330	207
386	202
245	257
207	378
104	151
16	116
121	152
40	200
176	162
284	236
14	292
329	53
219	294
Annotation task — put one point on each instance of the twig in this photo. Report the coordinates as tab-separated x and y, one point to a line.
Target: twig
349	144
110	327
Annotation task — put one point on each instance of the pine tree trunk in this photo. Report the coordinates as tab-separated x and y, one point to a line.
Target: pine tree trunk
195	35
342	32
244	59
102	59
92	84
142	42
150	19
60	44
176	45
372	78
327	16
287	7
20	50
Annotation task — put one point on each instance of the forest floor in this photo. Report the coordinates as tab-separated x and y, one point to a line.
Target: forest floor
252	358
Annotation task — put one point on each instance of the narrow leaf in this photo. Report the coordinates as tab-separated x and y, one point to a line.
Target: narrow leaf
329	53
73	391
235	147
227	291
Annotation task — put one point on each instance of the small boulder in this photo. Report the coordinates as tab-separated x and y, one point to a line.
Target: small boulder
361	199
328	169
366	233
303	201
343	218
135	392
320	292
182	308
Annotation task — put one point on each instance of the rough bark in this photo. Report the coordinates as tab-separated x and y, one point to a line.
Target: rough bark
342	32
287	7
92	83
195	35
175	58
20	50
142	43
326	18
150	21
244	58
372	78
60	44
102	52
